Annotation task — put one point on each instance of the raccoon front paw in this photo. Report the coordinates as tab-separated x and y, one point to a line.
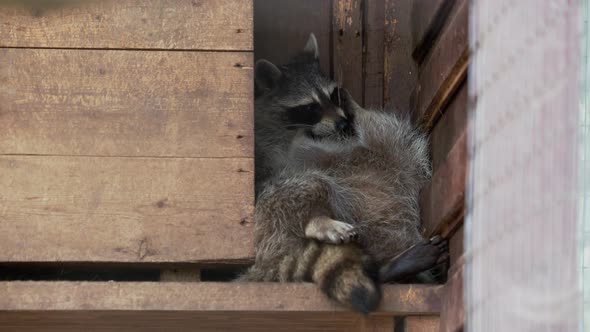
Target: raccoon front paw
330	231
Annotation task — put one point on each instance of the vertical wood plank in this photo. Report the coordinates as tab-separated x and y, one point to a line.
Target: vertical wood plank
348	45
282	27
400	70
374	52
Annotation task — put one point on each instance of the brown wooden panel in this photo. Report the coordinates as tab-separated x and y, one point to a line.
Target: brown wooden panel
428	19
452	316
376	324
348	46
456	247
443	200
202	296
160	24
400	70
283	27
422	324
444	69
448	129
88	209
374	52
126	103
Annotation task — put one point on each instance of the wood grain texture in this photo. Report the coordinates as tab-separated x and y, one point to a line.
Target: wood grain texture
456	244
88	209
443	200
422	324
374	53
452	316
448	129
283	27
202	296
444	69
400	69
347	49
126	103
159	24
376	324
428	19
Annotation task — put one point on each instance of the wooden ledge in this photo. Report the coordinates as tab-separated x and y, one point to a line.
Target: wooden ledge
153	306
200	296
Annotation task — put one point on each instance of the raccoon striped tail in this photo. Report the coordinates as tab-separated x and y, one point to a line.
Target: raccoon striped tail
343	272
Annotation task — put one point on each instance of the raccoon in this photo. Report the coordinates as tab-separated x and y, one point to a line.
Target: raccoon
295	96
339	204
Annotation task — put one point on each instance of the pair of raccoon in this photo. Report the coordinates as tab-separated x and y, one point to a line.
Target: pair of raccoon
337	187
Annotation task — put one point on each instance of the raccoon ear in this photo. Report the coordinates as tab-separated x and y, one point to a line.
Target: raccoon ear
266	75
311	47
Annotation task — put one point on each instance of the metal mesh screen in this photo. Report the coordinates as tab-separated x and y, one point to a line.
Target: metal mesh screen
521	251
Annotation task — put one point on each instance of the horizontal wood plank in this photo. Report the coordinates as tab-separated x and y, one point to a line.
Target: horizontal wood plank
444	69
126	103
87	209
202	296
152	24
449	128
443	200
421	324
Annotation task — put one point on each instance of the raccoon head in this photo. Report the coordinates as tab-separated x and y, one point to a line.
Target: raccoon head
302	95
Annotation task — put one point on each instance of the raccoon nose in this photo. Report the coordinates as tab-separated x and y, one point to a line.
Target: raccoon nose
341	124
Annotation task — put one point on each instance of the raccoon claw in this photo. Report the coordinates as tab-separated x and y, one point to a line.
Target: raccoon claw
330	231
420	257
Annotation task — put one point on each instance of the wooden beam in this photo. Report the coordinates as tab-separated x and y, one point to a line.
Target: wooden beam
444	69
131	24
89	209
201	296
126	103
421	324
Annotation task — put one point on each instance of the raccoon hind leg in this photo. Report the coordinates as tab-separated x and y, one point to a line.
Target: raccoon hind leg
325	229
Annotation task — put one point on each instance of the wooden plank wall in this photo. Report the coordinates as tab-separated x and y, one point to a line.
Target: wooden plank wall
439	106
126	132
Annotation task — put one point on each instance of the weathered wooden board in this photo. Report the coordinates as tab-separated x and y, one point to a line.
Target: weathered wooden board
347	50
126	103
153	24
202	296
89	209
444	69
428	19
283	27
452	315
448	129
443	200
400	69
421	324
374	53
